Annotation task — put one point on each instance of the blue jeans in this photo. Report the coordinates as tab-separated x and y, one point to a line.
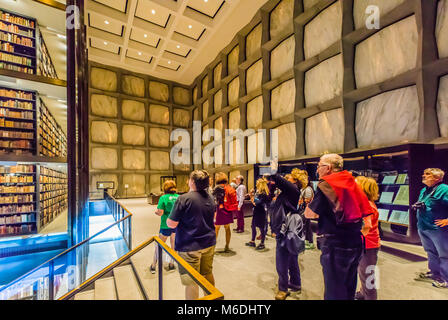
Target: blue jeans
287	263
435	243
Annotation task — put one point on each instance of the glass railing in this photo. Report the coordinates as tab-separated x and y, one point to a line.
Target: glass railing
68	270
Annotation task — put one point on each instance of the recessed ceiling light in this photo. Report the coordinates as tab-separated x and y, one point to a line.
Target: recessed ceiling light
145	35
178	46
205	0
190	26
139	53
169	62
105	43
106	22
153	11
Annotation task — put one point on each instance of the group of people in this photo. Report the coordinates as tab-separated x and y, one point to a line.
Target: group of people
343	205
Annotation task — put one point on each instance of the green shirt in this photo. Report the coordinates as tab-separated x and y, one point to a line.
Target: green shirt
436	207
166	203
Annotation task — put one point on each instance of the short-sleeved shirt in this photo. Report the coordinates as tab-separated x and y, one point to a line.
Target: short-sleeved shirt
436	207
347	235
166	203
195	212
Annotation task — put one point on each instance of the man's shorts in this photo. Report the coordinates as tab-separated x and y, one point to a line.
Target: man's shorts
167	232
200	260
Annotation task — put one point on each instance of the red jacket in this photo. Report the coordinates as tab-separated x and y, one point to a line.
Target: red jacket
230	201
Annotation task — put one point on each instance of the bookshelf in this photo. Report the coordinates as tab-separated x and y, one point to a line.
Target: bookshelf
52	140
53	194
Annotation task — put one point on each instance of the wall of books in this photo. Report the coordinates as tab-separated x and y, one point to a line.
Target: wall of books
53	141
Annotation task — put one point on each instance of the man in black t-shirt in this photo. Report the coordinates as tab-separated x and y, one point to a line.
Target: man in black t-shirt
192	216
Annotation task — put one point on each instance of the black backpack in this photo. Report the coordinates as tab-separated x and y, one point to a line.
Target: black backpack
219	193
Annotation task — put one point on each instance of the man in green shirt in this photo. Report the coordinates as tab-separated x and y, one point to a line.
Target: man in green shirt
432	225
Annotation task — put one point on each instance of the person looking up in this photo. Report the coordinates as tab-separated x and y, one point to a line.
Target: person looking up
241	192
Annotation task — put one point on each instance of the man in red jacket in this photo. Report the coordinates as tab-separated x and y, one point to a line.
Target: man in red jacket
339	205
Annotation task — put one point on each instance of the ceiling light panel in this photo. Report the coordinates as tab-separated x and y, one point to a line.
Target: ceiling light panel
119	5
104	23
209	8
104	45
152	12
178	49
169	64
138	55
190	28
145	37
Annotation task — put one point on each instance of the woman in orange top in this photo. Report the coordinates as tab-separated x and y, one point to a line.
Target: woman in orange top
367	266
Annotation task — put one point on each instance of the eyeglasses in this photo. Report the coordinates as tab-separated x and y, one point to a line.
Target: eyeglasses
322	165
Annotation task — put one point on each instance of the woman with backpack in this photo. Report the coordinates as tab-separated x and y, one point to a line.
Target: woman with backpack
226	205
260	199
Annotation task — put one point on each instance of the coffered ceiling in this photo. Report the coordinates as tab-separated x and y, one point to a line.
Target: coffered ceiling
168	39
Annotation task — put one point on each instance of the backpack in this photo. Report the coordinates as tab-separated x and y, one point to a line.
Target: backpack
219	194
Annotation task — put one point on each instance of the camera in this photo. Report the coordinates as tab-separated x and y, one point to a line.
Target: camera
419	205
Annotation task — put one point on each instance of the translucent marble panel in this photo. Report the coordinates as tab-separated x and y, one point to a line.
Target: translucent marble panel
104	132
181	96
181	118
255	112
283	99
253	41
159	137
133	86
254	76
234	148
442	28
233	91
182	183
195	94
103	106
307	4
232	60
282	57
104	158
217	72
136	184
104	177
217	101
234	119
133	135
324	133
324	82
281	16
388	53
133	110
234	174
442	106
204	86
218	124
360	6
159	114
255	148
196	114
154	184
205	110
323	31
103	79
287	138
388	118
134	159
158	91
182	167
250	180
159	160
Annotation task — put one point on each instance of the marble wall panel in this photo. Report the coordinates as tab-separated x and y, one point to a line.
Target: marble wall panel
133	86
234	119
104	177
255	148
388	53
134	159
234	174
133	110
205	111
388	118
360	6
103	79
181	118
282	57
308	4
283	99
181	96
250	179
217	101
217	73
204	86
442	28
234	91
287	138
235	154
196	114
255	112
159	137
154	184
136	183
218	125
159	114
182	183
104	132
133	135
158	91
159	160
104	158
324	133
103	106
323	31
253	41
195	94
281	17
232	61
182	167
442	106
254	76
324	82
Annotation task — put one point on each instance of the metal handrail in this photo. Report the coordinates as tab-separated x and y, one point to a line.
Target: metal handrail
213	293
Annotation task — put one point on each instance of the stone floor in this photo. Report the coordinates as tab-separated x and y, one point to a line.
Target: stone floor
247	274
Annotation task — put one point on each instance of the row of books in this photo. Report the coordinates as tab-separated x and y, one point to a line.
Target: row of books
8	17
52	194
17	189
20	218
16	114
22	198
53	187
44	171
50	202
16	230
15	124
16	208
7	93
20	168
14	38
16	59
17	104
22	144
49	213
16	134
7	66
16	29
53	140
17	152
